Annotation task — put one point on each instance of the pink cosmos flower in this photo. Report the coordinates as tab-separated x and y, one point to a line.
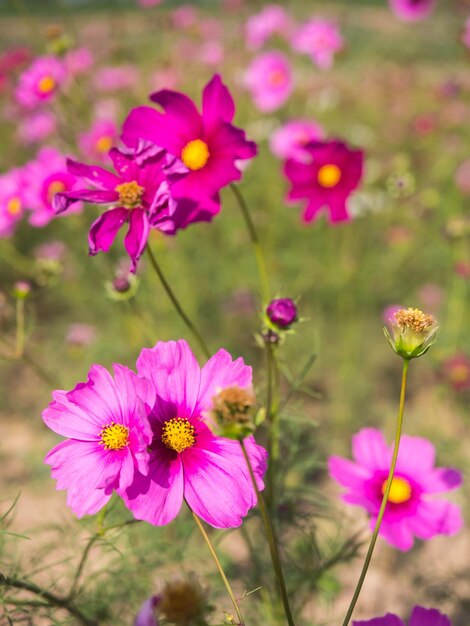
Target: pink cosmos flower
411	509
78	61
40	82
271	20
45	177
269	80
117	78
147	4
184	17
289	141
412	10
105	421
320	39
98	141
37	127
465	38
12	202
328	180
212	52
419	617
456	370
80	335
187	461
206	145
13	58
140	195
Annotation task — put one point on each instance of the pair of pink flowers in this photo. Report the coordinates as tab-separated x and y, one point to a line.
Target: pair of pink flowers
148	437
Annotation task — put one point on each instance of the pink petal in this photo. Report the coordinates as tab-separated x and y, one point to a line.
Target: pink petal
217	104
386	620
436	517
93	175
137	236
62	201
104	230
397	534
69	420
146	615
347	473
428	617
416	456
440	479
370	449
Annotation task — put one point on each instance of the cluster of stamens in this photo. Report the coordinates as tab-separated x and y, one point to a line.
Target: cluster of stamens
400	490
178	434
114	436
233	404
130	194
195	154
414	319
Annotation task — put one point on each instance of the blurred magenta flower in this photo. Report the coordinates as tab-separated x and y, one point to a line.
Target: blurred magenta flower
269	80
419	617
456	371
465	38
37	127
147	612
13	58
333	173
320	39
45	177
412	10
116	78
187	461
105	422
80	335
289	141
282	312
271	20
98	141
462	268
211	52
12	201
462	177
78	61
184	17
206	146
388	314
411	510
140	195
51	251
40	82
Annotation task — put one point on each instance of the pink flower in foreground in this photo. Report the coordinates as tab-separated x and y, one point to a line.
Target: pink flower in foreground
207	145
411	511
412	10
419	617
456	371
271	20
269	80
333	173
12	202
320	39
289	141
37	127
105	421
187	461
40	82
45	177
98	141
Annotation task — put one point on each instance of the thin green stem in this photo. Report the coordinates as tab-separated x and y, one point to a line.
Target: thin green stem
260	262
388	486
20	328
219	566
271	537
272	417
176	303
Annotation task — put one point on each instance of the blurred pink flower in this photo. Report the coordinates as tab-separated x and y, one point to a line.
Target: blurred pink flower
388	314
116	78
107	109
269	80
98	141
462	268
37	127
465	38
12	202
184	17
432	297
210	28
320	39
78	61
52	251
81	335
456	371
288	141
462	177
147	4
40	82
13	58
412	10
164	79
272	19
211	53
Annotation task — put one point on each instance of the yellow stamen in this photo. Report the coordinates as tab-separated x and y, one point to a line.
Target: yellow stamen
400	491
414	319
104	144
14	206
178	434
195	154
57	186
329	175
130	194
114	437
46	85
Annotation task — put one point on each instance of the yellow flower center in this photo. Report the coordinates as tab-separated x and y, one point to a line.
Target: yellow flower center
195	154
329	175
57	186
14	206
178	434
459	373
104	144
46	85
414	319
400	491
130	194
276	78
114	437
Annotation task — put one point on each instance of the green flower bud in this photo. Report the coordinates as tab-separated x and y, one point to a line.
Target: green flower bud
411	333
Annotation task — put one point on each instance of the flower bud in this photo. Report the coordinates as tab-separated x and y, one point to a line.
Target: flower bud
282	312
270	338
232	410
412	332
21	290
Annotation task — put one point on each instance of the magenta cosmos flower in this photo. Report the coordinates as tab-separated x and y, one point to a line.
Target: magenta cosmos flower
40	82
456	371
105	422
320	39
206	144
271	20
411	509
289	141
269	80
98	141
419	617
187	461
138	192
412	10
327	180
12	204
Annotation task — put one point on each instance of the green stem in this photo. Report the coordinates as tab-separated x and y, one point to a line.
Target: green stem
271	537
176	303
378	523
219	566
272	417
20	328
260	262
